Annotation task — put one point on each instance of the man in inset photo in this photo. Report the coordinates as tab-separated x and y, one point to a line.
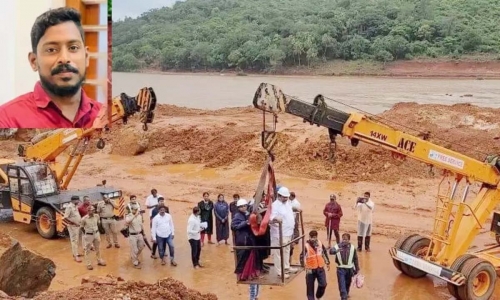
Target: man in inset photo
60	57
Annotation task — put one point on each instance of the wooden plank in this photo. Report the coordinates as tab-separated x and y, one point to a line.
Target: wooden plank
91	91
91	2
92	69
92	14
92	41
95	28
98	55
78	5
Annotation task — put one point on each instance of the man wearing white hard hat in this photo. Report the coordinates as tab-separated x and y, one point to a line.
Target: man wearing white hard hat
282	212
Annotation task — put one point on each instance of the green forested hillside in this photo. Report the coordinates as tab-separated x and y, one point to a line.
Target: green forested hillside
270	34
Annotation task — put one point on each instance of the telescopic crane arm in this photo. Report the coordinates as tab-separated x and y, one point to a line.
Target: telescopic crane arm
359	127
48	146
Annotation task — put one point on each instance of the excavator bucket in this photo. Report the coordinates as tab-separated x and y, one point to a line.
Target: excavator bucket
144	103
146	100
271	98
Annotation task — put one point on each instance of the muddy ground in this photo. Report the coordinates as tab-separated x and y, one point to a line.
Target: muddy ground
187	152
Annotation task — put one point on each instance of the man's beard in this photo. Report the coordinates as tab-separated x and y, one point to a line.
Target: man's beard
62	91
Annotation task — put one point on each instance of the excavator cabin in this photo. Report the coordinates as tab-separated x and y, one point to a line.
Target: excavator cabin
30	189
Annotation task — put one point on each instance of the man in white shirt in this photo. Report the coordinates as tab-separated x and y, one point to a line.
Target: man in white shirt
364	207
282	212
162	232
152	201
296	209
194	230
293	200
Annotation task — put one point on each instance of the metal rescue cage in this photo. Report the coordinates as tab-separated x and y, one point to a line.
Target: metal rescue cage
272	278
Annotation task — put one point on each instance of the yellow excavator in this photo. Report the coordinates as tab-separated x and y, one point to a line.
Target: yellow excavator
36	189
445	254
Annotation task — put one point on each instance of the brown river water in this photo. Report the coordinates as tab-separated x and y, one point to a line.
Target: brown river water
373	95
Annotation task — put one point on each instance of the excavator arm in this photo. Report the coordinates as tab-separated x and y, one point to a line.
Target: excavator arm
359	127
48	146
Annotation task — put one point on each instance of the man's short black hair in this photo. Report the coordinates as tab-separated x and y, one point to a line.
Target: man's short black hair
313	233
347	236
161	198
54	17
367	193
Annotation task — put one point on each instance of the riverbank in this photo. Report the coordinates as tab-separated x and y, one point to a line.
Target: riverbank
479	67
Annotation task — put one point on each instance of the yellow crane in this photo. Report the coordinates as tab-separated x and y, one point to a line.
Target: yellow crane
37	188
445	253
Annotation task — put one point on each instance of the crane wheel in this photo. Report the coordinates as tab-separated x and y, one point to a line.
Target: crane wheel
46	222
101	144
399	245
457	266
418	246
480	280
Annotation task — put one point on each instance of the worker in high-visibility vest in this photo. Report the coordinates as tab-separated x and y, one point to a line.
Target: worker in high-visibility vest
346	258
315	259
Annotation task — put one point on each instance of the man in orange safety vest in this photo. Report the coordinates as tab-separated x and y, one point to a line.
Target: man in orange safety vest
315	259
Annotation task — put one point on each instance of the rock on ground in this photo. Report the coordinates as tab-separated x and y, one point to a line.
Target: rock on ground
22	271
115	288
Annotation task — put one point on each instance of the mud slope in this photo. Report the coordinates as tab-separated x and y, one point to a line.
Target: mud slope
111	288
231	138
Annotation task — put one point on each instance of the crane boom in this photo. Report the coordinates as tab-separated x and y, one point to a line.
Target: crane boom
359	127
48	146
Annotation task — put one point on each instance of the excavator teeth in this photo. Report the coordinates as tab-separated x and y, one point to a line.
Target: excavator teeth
269	97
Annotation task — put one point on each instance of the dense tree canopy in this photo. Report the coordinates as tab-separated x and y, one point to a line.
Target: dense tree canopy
269	34
110	9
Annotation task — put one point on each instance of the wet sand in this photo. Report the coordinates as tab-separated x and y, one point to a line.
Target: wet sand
183	185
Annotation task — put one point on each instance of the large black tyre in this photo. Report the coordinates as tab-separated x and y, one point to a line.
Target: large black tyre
399	245
480	280
457	266
46	222
416	245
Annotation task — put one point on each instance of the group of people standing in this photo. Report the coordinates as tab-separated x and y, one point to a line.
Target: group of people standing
85	223
83	226
333	213
346	255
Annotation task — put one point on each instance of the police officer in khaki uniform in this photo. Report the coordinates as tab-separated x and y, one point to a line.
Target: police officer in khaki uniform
133	203
136	239
72	219
92	237
105	209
